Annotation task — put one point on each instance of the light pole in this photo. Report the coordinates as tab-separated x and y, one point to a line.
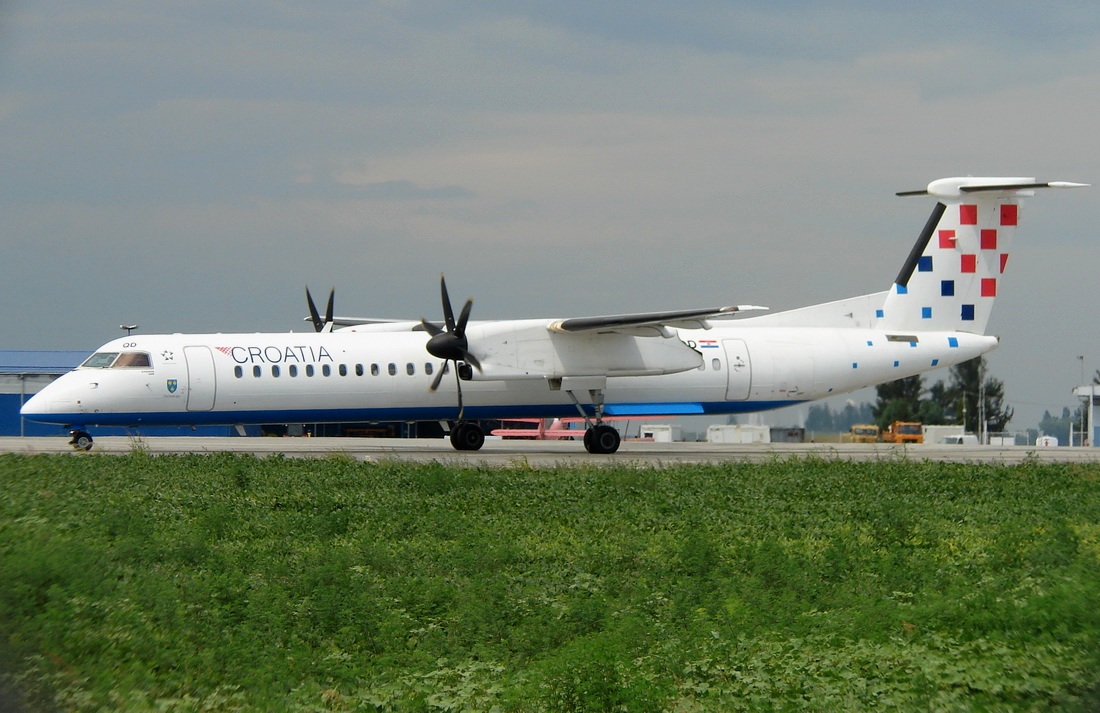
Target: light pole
1081	359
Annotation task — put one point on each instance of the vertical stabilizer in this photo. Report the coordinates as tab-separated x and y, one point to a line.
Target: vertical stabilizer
953	275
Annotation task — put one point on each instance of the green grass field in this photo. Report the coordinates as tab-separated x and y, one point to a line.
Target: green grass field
225	582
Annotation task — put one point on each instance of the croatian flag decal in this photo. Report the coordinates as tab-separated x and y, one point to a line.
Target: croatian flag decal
708	344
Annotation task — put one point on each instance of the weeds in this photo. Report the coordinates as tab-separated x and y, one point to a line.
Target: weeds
234	583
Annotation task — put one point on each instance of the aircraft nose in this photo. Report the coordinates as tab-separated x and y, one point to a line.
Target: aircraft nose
45	406
37	405
32	407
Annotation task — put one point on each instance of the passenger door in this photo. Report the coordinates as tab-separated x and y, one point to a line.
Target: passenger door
201	382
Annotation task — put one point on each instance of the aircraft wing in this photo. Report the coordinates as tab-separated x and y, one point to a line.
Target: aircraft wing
358	321
688	319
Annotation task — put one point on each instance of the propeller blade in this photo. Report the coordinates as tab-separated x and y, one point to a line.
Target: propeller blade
460	328
439	376
471	359
430	328
449	341
328	309
314	317
448	313
458	385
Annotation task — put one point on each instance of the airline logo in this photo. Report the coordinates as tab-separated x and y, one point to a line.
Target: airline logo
277	354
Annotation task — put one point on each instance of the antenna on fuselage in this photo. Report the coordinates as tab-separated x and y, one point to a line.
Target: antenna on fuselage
128	327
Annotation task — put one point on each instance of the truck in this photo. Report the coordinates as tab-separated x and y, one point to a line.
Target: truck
903	432
863	433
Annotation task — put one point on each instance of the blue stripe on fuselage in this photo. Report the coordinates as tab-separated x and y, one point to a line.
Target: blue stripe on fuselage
435	413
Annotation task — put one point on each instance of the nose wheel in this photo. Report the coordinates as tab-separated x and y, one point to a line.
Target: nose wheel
81	440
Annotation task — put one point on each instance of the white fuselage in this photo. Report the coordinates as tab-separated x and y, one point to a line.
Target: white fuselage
933	315
384	374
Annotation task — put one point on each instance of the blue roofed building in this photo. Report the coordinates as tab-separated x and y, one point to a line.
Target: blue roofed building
23	374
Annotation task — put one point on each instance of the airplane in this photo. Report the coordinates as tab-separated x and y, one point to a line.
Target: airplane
685	362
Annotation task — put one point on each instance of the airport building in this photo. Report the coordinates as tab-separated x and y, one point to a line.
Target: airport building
23	374
1090	397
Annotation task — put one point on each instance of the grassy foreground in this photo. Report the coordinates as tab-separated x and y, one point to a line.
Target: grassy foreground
227	582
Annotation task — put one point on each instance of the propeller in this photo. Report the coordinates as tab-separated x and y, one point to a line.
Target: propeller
320	325
448	342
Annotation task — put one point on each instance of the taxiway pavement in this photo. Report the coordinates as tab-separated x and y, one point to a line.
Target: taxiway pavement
552	453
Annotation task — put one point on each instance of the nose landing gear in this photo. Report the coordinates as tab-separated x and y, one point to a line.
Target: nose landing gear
81	440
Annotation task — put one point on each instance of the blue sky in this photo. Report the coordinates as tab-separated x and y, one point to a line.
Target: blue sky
192	166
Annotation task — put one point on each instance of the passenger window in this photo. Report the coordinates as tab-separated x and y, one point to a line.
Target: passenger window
343	370
358	369
292	370
238	371
716	365
274	369
428	368
393	369
410	368
256	371
309	370
326	370
374	370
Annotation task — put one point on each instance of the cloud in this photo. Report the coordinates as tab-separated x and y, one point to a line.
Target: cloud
205	161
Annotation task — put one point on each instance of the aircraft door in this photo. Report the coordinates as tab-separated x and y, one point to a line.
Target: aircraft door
739	371
201	383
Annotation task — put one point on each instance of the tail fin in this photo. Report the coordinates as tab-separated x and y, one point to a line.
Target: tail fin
953	274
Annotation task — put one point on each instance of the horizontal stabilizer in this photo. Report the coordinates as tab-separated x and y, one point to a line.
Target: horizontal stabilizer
956	187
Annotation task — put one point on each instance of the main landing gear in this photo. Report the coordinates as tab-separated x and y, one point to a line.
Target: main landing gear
599	437
467	436
81	440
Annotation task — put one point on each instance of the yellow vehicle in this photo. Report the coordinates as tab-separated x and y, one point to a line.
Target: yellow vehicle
904	432
863	433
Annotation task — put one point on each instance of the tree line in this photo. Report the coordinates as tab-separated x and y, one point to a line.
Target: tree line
969	397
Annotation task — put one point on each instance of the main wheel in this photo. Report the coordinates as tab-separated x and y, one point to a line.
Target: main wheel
81	440
467	436
602	439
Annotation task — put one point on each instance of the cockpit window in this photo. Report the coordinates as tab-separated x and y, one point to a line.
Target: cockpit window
132	359
116	360
101	360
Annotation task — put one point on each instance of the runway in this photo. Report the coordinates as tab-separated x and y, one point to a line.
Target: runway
499	453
